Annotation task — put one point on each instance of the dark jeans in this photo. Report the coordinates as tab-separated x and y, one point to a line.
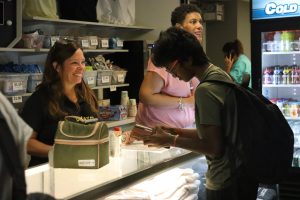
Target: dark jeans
244	188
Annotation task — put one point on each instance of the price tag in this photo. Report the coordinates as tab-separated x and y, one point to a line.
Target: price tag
105	79
113	88
91	80
119	43
17	99
104	43
120	78
18	85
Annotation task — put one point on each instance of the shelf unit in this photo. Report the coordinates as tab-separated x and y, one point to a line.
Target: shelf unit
281	53
281	86
23	50
39	20
129	120
75	28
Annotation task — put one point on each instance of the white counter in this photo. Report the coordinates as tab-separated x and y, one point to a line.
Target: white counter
71	183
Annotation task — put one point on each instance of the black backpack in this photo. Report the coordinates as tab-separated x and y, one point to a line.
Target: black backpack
13	163
266	138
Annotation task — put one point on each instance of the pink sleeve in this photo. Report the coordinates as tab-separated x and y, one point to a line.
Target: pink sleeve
161	71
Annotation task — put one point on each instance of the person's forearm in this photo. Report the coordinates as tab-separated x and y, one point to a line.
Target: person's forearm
37	148
196	145
164	100
187	133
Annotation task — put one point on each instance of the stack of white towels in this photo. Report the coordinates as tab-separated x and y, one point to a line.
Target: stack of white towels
175	184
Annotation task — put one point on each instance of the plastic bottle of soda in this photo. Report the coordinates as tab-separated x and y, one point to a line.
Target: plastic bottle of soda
277	41
285	41
284	75
295	75
276	76
267	76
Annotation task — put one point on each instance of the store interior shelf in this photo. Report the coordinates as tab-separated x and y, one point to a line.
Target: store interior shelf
83	23
23	50
129	120
282	86
110	86
23	95
281	53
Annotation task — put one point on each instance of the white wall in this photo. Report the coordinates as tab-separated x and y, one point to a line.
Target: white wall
236	24
156	14
243	26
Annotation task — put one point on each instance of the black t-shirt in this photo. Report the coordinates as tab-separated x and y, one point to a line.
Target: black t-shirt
36	114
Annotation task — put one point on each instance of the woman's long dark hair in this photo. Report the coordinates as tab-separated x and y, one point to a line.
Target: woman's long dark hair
53	83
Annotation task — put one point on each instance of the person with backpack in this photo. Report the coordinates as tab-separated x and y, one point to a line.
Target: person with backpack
184	57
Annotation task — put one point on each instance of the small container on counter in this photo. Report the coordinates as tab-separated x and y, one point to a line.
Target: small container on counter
115	142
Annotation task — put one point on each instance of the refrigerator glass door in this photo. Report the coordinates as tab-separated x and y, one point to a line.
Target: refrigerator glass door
281	77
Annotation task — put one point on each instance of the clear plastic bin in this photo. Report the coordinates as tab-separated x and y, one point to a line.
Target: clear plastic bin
13	83
33	81
90	78
103	43
118	76
104	77
93	42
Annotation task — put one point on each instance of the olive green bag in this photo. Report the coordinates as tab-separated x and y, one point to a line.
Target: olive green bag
79	145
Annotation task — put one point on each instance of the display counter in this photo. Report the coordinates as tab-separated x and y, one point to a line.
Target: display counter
137	162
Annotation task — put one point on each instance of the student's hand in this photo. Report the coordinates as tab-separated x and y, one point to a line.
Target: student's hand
228	63
139	134
160	138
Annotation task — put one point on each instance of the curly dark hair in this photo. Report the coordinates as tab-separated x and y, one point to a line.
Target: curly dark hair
179	13
234	48
61	51
177	44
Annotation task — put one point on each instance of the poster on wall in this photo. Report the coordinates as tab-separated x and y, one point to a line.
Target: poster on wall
271	9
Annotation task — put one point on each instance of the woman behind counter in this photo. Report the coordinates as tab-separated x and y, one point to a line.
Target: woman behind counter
164	99
61	93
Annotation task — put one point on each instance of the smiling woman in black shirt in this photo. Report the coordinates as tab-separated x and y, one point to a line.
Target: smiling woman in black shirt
61	93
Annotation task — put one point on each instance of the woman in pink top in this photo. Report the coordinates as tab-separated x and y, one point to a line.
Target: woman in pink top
164	99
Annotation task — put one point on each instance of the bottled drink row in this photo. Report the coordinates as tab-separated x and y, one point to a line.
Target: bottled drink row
278	75
278	41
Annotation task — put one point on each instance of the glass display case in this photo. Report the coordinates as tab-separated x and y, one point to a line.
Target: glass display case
134	164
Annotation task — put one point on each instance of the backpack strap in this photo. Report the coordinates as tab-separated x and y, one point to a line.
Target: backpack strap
12	160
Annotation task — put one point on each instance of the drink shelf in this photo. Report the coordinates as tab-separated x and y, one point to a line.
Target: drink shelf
281	53
281	85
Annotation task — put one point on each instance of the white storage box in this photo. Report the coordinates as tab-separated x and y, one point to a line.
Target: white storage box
33	81
118	76
104	77
13	83
90	78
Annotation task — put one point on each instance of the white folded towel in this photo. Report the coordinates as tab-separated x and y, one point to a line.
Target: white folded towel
174	184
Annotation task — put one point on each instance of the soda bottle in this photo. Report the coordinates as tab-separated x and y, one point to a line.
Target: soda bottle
277	41
294	75
289	75
276	76
285	41
280	74
269	37
267	76
284	75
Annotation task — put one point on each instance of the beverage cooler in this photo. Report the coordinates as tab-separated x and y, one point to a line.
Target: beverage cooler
275	56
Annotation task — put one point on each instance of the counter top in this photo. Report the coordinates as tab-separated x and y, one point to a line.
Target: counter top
131	166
